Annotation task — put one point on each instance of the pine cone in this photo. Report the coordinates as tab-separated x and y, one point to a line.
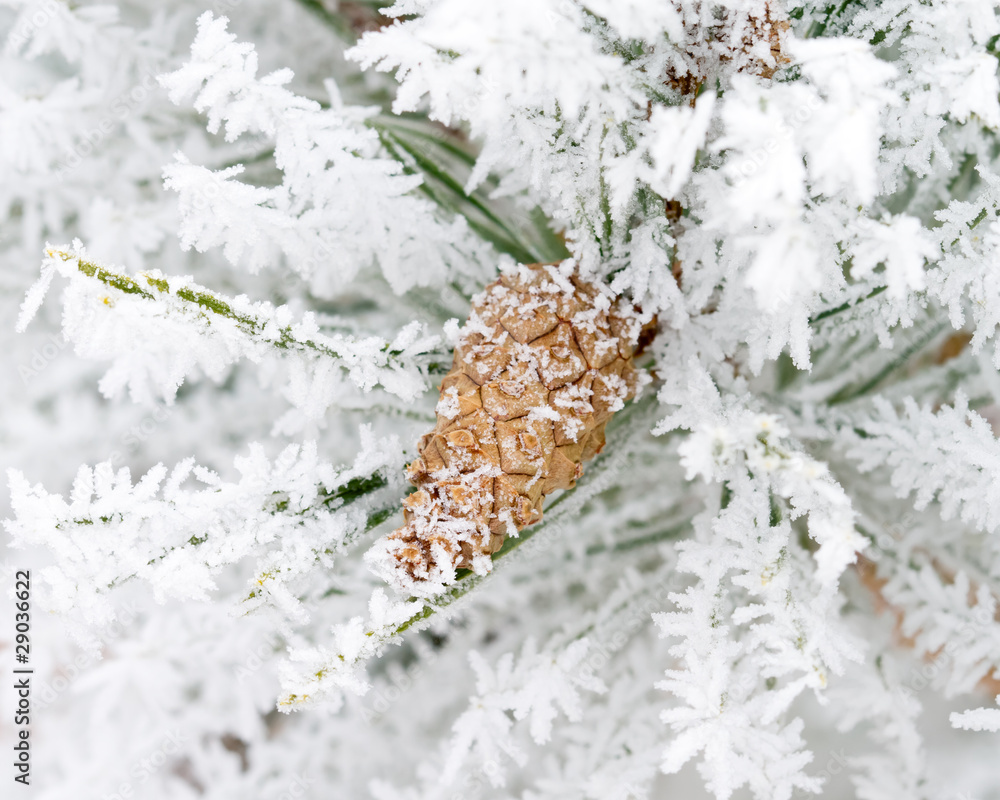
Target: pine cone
543	362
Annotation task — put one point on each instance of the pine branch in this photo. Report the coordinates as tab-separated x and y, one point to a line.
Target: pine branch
291	513
330	671
259	326
227	329
438	160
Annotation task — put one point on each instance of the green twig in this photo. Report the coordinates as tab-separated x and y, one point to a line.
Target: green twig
212	306
927	334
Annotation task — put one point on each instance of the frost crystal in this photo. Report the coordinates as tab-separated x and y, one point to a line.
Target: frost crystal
709	505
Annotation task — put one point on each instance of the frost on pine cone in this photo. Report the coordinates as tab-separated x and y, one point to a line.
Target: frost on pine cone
542	364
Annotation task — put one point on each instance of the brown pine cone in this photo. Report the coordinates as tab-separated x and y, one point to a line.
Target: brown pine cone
543	362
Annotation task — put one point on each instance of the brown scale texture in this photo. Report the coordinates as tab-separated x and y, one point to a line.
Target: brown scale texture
543	362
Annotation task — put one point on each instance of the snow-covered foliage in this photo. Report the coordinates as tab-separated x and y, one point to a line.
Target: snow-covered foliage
780	578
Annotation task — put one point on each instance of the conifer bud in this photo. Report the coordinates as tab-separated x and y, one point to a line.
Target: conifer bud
543	362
